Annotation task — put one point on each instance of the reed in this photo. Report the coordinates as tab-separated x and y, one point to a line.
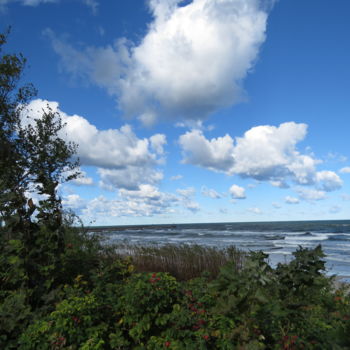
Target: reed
182	261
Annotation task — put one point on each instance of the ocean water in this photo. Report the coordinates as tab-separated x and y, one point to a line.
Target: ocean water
278	239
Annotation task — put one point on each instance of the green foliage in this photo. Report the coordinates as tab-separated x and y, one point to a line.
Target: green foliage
110	306
15	314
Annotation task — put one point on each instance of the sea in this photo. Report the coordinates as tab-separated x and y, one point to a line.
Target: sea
277	239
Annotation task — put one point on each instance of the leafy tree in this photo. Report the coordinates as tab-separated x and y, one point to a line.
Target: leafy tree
33	157
13	203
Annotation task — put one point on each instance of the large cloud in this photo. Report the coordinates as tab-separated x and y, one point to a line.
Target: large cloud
264	153
123	159
191	62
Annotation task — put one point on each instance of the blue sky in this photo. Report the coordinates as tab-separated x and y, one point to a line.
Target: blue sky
195	111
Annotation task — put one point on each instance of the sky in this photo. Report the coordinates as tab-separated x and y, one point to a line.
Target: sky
194	111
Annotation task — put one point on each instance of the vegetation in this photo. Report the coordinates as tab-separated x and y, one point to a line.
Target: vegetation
60	288
182	261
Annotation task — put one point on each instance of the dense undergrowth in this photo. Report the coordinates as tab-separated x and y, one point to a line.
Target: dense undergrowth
99	300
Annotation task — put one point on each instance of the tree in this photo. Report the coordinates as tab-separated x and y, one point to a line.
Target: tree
34	160
33	157
12	175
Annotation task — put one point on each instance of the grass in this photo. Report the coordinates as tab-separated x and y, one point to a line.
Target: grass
182	261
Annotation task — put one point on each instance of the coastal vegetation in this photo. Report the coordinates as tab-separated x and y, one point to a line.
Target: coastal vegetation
63	288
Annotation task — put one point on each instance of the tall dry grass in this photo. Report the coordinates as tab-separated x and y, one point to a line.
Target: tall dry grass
182	261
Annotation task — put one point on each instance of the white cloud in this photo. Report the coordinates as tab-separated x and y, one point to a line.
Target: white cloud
291	200
129	178
191	62
125	161
345	170
237	192
328	181
310	194
269	153
215	154
147	201
209	192
264	153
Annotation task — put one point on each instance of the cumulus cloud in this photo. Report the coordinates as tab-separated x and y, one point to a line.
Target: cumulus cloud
291	200
192	60
215	154
237	192
264	153
209	192
123	159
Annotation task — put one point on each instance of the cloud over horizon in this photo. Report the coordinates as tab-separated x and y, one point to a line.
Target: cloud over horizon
264	153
